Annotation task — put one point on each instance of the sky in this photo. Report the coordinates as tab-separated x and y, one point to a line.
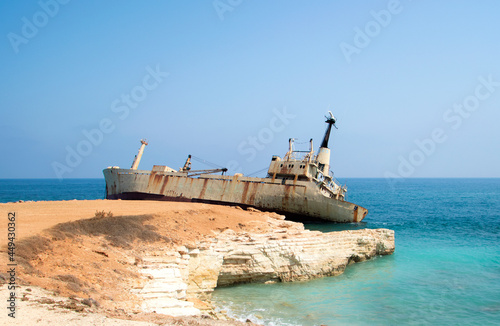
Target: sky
414	85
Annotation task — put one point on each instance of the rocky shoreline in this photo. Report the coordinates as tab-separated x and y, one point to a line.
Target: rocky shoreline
169	261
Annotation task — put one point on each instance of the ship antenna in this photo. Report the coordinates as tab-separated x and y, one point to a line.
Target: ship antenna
330	120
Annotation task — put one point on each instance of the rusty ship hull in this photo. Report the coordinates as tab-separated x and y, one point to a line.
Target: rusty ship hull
300	198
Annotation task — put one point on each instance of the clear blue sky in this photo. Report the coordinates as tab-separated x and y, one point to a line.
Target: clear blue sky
415	85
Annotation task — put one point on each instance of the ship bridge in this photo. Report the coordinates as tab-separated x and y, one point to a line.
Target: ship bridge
309	167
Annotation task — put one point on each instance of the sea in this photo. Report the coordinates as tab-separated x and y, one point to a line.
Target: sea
445	270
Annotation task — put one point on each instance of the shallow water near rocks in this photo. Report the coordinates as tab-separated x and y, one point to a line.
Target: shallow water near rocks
446	268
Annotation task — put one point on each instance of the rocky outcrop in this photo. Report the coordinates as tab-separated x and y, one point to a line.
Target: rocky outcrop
285	254
305	255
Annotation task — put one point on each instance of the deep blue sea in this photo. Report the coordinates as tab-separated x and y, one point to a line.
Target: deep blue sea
445	271
12	190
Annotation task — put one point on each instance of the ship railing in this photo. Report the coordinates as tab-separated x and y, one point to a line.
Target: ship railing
299	156
330	183
334	180
238	178
139	172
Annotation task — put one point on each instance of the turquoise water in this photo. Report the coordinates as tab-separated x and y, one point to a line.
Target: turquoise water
445	271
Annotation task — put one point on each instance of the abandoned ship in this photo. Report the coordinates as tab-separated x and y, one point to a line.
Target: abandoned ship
299	184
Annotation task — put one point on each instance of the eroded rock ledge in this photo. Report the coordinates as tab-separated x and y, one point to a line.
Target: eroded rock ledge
286	253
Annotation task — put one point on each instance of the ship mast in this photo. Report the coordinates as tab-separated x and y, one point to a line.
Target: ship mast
324	152
138	157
